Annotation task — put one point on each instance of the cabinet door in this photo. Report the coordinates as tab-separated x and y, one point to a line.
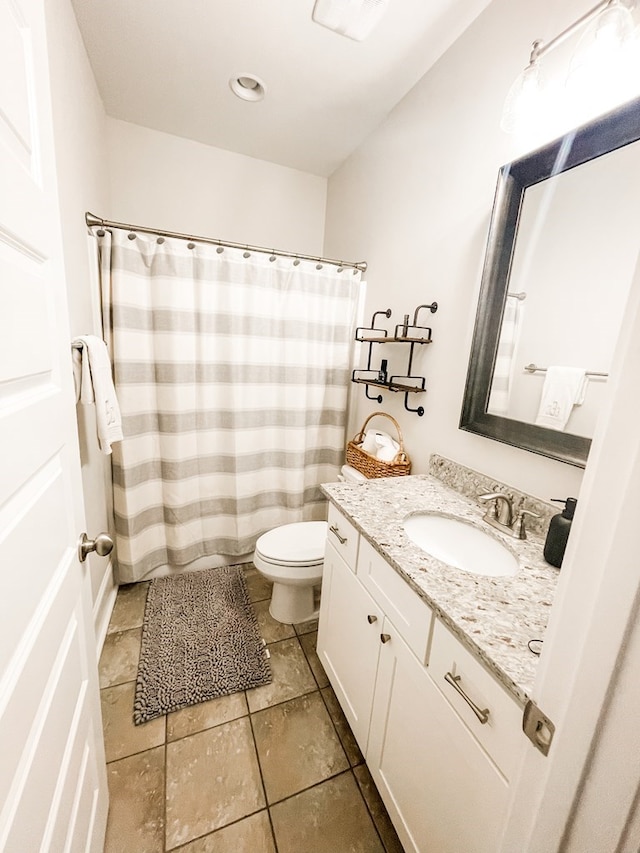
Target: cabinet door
349	641
443	793
411	615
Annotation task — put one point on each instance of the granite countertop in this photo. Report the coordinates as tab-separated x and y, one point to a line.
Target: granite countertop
494	617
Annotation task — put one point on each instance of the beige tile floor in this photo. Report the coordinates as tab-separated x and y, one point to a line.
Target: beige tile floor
275	769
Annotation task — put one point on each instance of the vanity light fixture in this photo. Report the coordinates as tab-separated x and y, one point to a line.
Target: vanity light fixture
523	98
604	50
354	19
248	87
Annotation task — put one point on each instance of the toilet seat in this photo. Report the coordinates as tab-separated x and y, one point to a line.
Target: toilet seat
289	564
298	544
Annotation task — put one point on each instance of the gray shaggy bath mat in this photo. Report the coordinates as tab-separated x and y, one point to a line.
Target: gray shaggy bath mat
200	640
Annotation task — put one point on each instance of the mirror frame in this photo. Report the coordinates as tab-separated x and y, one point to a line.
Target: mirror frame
607	133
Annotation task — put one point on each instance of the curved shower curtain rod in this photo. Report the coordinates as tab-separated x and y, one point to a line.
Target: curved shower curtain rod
95	221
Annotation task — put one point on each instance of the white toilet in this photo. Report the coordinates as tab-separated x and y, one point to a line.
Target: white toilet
291	557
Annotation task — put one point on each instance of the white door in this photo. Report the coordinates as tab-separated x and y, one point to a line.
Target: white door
53	793
584	796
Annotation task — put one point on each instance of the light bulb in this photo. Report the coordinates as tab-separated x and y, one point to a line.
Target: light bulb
522	104
603	41
601	71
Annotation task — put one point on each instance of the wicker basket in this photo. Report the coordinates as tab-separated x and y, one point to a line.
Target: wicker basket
369	465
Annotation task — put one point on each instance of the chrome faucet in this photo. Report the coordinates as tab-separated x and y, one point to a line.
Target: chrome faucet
501	511
499	514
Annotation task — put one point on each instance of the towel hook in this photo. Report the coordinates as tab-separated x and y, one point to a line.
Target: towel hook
433	307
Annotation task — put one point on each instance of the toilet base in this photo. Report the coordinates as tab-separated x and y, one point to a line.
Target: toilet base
292	604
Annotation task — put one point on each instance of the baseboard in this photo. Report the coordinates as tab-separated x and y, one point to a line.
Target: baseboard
103	607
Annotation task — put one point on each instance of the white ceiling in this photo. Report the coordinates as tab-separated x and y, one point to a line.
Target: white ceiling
166	64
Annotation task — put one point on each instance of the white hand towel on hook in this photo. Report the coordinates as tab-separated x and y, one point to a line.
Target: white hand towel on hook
564	388
94	384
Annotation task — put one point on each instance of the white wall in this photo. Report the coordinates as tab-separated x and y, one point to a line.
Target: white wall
415	201
168	182
79	129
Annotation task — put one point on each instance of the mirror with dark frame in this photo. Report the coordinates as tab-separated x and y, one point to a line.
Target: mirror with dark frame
561	252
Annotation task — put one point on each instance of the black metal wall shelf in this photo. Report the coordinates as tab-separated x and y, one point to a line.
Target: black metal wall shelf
404	333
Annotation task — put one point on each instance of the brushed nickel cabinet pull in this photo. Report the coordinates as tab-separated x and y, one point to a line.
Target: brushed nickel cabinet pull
336	532
371	619
384	638
481	713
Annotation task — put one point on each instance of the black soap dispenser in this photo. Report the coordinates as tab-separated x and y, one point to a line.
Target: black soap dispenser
559	529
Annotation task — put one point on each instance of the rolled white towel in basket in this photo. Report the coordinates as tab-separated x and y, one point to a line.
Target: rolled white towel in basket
378	443
387	448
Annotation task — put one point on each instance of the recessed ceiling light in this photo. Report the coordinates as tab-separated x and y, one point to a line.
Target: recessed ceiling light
248	87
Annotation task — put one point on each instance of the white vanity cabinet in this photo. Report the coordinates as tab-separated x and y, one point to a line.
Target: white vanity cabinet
442	773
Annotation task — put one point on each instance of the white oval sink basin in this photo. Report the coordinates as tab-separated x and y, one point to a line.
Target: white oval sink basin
459	544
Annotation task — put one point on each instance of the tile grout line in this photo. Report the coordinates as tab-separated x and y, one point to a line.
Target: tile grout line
352	768
335	726
318	689
210	728
366	805
164	799
214	831
314	785
264	787
304	652
326	706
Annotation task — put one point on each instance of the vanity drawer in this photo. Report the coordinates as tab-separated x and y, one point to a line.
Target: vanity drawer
343	536
410	614
501	735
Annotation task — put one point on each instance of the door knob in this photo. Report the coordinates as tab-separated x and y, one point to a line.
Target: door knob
102	545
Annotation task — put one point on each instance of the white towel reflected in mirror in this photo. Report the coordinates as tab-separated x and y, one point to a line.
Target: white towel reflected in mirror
564	388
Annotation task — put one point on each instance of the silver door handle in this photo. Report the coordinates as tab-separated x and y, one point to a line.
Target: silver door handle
102	545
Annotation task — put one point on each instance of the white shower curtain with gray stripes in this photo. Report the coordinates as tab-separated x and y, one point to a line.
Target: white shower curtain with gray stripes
232	375
505	367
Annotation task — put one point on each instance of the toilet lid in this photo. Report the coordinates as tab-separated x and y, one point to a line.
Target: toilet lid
298	544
